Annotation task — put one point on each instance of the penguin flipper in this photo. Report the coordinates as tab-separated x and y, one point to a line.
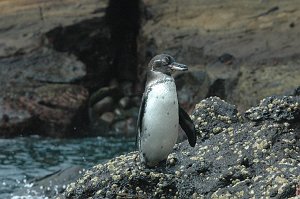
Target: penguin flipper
188	126
140	120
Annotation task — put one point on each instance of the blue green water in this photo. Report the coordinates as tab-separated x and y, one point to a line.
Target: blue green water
25	158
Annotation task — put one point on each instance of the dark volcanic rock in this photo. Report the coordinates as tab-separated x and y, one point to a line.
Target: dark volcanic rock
50	185
213	116
287	109
240	159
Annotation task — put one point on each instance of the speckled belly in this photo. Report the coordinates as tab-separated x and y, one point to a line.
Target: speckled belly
160	123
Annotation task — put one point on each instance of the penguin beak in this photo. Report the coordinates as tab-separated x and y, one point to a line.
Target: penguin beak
178	66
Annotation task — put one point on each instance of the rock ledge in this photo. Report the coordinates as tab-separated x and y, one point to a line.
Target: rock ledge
254	156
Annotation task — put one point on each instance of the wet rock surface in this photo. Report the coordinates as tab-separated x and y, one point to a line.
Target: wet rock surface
237	157
52	184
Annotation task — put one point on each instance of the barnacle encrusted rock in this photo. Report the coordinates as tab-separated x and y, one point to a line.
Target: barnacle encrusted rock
279	109
237	158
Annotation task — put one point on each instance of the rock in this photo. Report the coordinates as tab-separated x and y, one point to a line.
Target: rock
226	59
287	109
256	83
47	109
100	94
89	40
125	127
240	159
125	102
23	25
136	101
241	61
225	67
213	115
191	86
223	74
104	105
199	32
195	34
108	117
41	66
297	91
127	88
125	123
113	111
101	105
99	128
50	185
38	84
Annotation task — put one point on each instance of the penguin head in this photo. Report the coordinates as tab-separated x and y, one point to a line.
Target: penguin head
166	64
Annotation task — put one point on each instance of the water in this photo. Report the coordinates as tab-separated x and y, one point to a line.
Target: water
25	158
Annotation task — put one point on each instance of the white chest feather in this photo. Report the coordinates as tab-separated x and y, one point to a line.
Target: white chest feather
160	122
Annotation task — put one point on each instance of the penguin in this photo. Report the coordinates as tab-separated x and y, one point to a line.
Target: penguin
160	113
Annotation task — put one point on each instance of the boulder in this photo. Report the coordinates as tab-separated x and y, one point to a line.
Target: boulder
236	156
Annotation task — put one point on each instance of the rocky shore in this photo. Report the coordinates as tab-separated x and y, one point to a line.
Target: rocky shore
54	55
72	68
239	155
94	55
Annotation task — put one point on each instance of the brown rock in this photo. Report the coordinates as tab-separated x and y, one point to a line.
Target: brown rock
31	99
259	82
23	23
51	110
197	32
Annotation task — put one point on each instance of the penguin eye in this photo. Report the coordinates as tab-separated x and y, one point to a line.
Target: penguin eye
166	61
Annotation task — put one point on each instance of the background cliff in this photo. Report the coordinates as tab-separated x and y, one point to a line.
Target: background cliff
68	66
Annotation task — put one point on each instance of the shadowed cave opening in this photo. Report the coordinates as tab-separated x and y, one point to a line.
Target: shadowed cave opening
107	46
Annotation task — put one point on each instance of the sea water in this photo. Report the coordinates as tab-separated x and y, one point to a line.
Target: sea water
23	159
